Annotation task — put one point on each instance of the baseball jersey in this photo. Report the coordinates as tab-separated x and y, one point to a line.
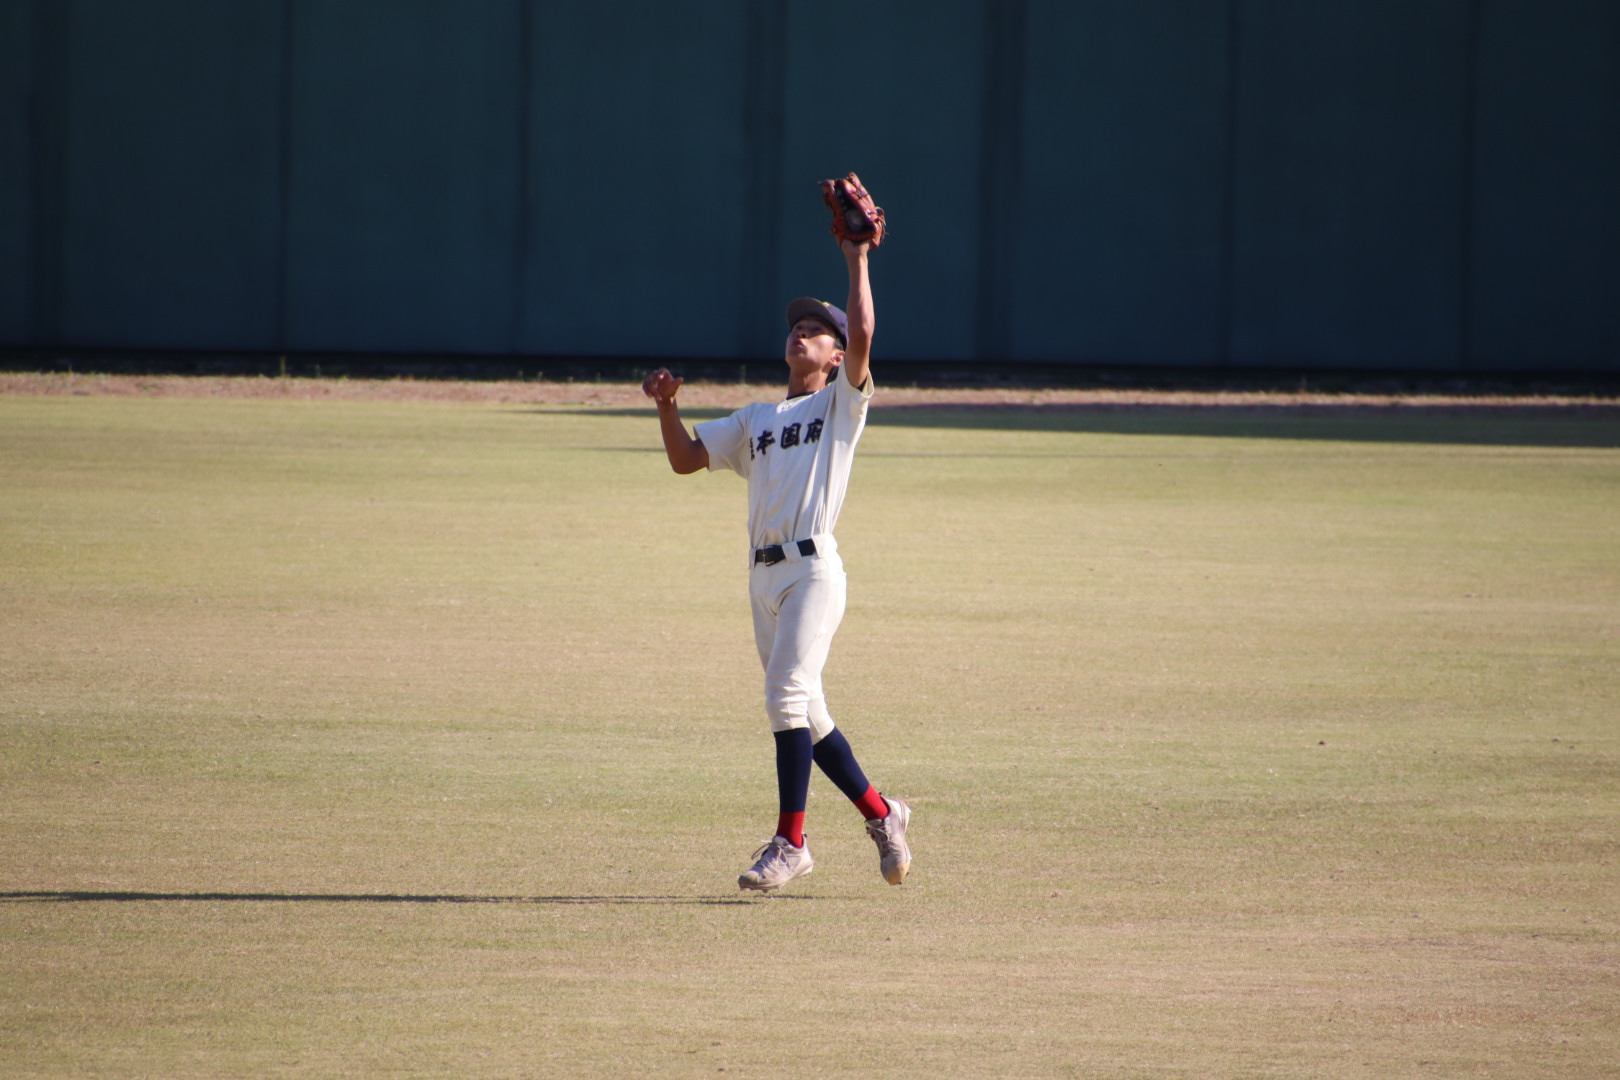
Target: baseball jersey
795	455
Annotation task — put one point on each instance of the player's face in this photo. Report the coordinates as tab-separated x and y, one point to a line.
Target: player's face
812	343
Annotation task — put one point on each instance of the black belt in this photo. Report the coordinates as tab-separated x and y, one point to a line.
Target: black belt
774	554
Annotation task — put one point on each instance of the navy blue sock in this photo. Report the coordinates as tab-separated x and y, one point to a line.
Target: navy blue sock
837	760
793	759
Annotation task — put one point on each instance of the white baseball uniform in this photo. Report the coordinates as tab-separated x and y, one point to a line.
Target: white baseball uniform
796	456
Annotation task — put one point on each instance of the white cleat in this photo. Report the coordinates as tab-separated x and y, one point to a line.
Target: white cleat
775	864
889	834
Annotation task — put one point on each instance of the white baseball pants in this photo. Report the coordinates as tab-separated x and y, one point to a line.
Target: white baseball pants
798	604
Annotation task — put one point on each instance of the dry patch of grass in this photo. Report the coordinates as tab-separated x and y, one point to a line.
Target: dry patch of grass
411	738
709	395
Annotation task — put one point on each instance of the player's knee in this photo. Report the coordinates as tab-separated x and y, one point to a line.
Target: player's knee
787	708
821	725
790	723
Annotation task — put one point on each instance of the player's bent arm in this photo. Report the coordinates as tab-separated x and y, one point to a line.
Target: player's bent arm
862	320
687	454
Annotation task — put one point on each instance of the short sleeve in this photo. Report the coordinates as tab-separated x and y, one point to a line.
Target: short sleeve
726	440
850	400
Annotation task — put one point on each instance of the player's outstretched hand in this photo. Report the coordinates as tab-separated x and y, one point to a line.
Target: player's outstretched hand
661	386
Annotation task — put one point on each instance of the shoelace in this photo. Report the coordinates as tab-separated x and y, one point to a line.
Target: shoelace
878	832
770	851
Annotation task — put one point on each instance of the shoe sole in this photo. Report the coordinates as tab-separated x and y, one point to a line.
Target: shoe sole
897	876
754	886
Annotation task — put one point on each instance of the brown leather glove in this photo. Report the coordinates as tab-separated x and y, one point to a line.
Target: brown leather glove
854	216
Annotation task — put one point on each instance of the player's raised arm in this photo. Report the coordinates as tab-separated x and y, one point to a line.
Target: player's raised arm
862	321
687	454
860	225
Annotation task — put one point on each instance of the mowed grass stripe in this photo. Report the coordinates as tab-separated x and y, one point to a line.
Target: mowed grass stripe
423	739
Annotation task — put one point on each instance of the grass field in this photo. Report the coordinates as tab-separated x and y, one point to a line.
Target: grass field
394	739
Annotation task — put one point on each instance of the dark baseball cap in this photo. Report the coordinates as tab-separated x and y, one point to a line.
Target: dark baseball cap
820	309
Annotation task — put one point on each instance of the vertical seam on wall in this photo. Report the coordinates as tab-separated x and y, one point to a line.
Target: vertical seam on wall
764	100
1226	282
1000	174
32	182
49	116
284	177
520	233
1472	38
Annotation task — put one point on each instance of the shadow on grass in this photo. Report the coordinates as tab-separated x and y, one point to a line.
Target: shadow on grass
1581	426
1590	426
357	898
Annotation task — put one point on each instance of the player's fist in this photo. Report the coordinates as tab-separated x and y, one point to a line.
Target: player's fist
661	386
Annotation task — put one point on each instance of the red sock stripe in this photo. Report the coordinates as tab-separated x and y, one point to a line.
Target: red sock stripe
871	805
791	826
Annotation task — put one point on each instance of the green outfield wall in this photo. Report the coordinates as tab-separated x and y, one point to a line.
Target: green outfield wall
1425	185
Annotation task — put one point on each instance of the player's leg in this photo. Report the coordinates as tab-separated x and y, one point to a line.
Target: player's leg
835	757
808	608
805	612
792	737
831	750
786	856
886	819
807	619
793	759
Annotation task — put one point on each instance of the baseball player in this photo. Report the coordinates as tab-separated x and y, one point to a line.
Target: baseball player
796	456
